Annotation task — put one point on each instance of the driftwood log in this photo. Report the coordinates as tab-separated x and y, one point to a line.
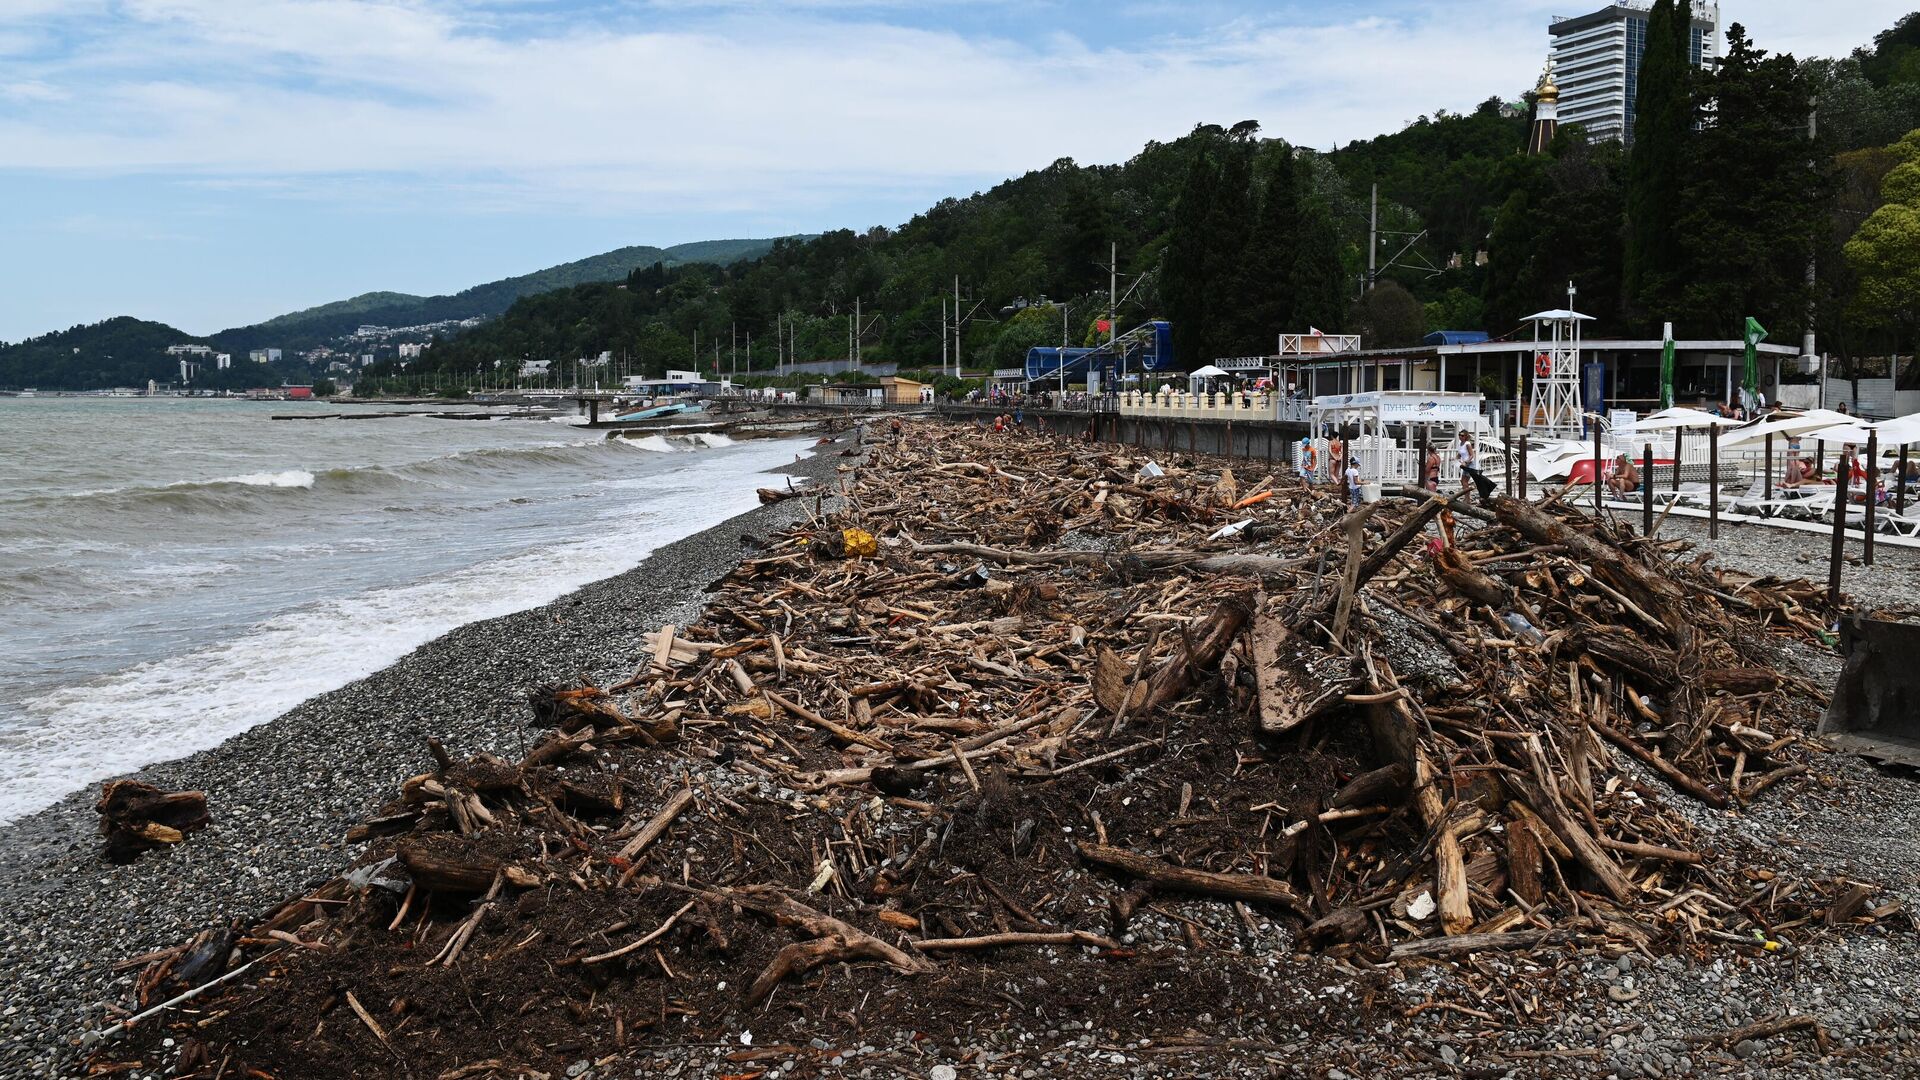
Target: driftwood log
137	817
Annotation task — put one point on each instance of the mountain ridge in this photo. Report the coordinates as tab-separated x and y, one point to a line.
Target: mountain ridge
126	350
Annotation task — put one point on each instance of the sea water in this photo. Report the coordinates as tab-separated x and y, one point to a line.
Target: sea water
175	571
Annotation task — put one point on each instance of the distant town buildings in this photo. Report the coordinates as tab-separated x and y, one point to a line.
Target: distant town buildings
265	356
535	369
371	331
411	350
1596	62
186	350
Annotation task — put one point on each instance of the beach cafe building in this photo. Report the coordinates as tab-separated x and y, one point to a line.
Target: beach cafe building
1619	373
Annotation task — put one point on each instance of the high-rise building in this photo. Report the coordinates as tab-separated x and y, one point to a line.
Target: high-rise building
1596	60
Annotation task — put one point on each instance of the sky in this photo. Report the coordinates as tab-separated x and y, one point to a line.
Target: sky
211	163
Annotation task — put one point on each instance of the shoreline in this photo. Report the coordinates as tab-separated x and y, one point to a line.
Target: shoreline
282	794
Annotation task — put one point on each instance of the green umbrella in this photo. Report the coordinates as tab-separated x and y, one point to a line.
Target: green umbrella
1755	335
1666	370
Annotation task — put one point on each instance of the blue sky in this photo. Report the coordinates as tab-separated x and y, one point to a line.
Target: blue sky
210	163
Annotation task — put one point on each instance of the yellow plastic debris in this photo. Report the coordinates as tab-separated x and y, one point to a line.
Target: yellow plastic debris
859	543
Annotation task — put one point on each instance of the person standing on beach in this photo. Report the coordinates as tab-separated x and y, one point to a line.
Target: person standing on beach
1353	483
1469	461
1432	469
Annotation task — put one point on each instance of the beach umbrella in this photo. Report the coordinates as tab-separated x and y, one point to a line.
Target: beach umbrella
1666	368
1811	420
1683	417
1750	380
1840	433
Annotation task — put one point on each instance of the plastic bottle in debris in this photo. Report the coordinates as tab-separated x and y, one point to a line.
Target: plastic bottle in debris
1518	623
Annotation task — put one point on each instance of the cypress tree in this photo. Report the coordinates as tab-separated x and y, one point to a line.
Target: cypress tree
1663	117
1229	219
1748	242
1263	283
1316	278
1185	285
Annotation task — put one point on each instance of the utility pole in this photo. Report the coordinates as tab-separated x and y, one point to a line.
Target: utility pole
859	332
1807	342
956	325
749	352
1113	304
1061	367
1373	240
943	335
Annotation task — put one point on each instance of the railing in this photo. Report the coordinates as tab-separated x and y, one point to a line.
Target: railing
1170	403
1380	459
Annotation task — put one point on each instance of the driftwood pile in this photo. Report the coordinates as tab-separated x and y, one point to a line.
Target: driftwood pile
1012	710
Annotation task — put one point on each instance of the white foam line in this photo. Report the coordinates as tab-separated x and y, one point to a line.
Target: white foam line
169	708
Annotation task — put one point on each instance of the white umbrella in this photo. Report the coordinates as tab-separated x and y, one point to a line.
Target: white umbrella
1811	420
1208	372
1682	417
1899	430
1839	433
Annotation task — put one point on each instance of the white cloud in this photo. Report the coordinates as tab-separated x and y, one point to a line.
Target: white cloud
770	108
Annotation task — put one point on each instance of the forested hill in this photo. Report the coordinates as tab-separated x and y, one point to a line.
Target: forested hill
123	351
1236	237
126	351
301	329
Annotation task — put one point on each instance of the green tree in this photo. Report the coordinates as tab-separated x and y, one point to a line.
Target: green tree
1262	280
1388	317
1456	309
1029	327
1186	285
1884	254
325	388
1561	222
1657	168
1317	279
1754	199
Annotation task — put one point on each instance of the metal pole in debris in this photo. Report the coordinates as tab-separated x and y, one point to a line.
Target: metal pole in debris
1713	482
1839	542
1597	485
1521	468
1679	440
1506	447
1873	492
1646	490
1900	483
1768	490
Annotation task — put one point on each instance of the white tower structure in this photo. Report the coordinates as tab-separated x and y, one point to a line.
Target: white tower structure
1553	403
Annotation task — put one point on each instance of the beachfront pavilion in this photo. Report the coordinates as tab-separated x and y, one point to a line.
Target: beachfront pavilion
1625	371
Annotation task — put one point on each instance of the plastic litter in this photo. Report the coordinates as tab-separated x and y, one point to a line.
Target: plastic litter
1518	623
1150	470
859	543
1230	530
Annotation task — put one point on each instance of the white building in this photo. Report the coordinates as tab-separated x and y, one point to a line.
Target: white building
187	350
222	361
1596	61
189	369
264	356
411	350
535	369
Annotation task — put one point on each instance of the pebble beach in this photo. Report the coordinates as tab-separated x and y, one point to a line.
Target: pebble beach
283	794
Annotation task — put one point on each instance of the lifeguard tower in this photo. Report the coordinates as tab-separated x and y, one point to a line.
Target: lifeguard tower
1553	403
